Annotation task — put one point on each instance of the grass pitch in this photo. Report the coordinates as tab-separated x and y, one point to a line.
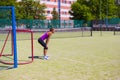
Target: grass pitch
80	58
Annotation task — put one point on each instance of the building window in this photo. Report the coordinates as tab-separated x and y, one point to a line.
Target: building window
70	2
63	1
65	13
48	12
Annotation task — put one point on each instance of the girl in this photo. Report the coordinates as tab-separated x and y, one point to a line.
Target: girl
46	36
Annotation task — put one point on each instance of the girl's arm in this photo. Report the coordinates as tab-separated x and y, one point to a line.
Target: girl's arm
48	39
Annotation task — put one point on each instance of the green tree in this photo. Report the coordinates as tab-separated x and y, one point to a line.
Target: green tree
7	2
55	15
82	9
39	10
91	9
26	9
55	18
118	11
6	14
29	9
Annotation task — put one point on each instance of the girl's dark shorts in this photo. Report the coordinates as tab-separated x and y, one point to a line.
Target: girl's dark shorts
42	43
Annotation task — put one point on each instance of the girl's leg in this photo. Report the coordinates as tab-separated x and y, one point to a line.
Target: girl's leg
45	52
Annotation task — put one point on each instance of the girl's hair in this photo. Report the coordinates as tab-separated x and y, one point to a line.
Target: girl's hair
51	29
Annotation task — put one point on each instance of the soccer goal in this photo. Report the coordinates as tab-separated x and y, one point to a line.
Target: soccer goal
7	14
12	40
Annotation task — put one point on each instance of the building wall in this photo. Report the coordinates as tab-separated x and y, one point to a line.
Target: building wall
64	10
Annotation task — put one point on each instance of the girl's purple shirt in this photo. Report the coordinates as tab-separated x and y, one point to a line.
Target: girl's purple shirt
44	36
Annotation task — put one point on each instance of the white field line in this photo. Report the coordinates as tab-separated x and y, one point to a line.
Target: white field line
94	56
109	62
93	65
81	62
75	61
104	63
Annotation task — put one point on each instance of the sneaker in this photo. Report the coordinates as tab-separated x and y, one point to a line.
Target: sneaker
46	57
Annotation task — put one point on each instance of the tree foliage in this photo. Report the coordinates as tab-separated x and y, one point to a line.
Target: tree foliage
7	2
118	10
93	9
6	14
26	9
30	10
55	15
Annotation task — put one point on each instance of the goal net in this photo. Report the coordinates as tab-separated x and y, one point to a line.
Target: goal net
14	47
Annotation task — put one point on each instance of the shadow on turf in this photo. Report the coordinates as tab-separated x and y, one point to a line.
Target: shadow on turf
6	67
36	57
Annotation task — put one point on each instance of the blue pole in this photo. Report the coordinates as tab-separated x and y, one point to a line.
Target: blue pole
59	8
14	38
59	12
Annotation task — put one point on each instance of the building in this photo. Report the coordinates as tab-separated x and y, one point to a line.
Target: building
65	6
